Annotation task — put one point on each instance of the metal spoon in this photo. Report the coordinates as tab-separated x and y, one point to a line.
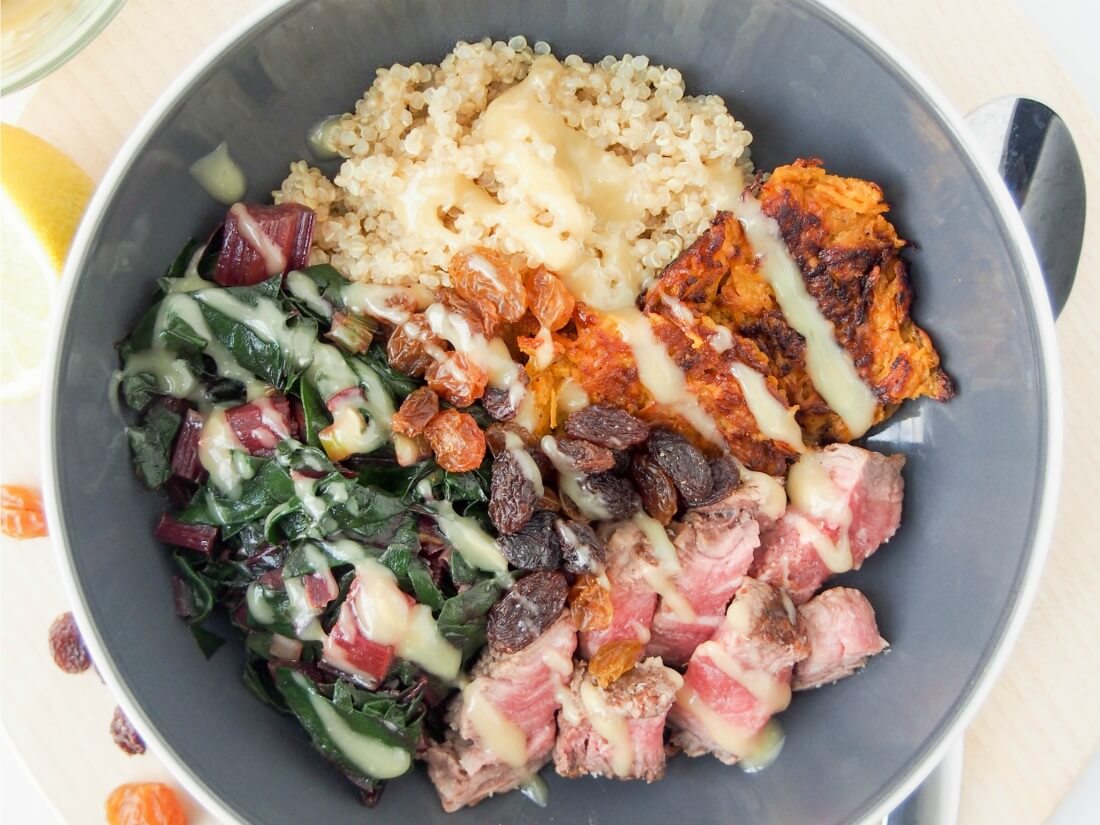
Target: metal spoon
1032	150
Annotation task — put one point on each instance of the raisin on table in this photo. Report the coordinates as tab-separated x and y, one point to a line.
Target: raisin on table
67	645
607	426
531	606
124	735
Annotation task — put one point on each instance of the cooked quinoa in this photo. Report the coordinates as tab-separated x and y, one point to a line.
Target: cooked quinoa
422	121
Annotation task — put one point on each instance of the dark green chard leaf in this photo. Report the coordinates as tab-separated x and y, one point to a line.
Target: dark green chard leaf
461	571
389	475
297	456
268	488
179	336
463	618
337	729
151	445
279	605
398	384
258	679
179	266
139	390
141	338
402	558
196	599
329	281
315	413
472	486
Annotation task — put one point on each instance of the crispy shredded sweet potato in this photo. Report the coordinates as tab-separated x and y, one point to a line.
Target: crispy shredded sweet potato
849	257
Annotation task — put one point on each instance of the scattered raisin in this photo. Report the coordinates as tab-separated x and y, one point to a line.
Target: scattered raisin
409	345
512	496
67	645
535	545
581	549
458	379
418	408
124	734
551	302
685	465
591	605
456	440
607	426
657	490
615	493
531	606
724	478
614	659
145	803
482	276
586	457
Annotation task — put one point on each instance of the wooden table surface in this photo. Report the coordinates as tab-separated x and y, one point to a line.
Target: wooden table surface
1041	723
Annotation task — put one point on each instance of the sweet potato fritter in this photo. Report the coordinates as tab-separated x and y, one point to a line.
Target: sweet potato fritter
599	359
849	257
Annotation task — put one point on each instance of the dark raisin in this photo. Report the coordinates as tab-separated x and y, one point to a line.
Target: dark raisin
67	646
496	435
128	739
614	493
531	606
658	492
535	545
622	462
512	496
724	478
585	456
549	501
685	465
607	426
581	549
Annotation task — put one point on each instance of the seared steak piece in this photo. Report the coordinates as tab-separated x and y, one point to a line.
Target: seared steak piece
736	681
715	549
632	596
840	627
845	502
502	723
619	731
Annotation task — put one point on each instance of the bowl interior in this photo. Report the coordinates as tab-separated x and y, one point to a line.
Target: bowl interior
805	84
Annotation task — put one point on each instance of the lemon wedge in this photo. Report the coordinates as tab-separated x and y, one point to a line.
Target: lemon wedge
43	196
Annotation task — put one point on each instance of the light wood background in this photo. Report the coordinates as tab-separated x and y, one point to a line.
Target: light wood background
1041	722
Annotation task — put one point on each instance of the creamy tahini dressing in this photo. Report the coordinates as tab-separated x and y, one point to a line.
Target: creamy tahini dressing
305	290
270	252
661	577
321	138
220	176
772	693
569	482
662	376
497	733
384	301
773	419
222	455
372	757
491	355
385	616
812	492
829	365
465	535
611	725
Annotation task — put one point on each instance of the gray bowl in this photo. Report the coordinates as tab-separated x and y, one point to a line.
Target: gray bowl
949	590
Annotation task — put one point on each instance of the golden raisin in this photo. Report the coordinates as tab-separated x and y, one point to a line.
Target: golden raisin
418	408
456	440
551	302
409	349
458	379
590	604
614	659
145	803
21	513
482	277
